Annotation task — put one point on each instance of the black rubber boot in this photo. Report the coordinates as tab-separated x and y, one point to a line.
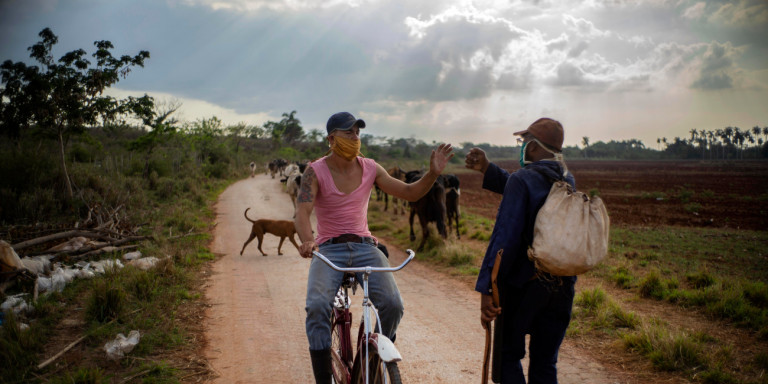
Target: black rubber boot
321	365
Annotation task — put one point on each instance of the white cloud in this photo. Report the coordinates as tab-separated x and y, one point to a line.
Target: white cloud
193	109
742	13
695	11
583	27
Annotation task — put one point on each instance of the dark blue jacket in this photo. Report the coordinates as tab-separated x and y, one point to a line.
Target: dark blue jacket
524	192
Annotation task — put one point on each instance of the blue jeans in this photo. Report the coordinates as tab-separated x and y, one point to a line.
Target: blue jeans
324	282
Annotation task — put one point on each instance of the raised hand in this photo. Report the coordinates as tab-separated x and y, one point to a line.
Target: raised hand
440	157
476	160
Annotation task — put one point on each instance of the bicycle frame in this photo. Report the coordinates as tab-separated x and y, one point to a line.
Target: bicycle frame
366	337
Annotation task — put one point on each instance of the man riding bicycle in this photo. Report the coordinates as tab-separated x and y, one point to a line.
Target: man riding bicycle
339	187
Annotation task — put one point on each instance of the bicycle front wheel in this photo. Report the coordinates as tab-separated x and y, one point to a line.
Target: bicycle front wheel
338	342
379	372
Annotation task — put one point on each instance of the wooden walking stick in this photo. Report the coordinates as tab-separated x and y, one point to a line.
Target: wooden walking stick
495	293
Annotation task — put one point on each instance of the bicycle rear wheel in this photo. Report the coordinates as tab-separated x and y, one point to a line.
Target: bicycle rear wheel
380	372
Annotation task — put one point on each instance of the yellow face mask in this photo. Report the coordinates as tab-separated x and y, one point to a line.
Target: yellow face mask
346	148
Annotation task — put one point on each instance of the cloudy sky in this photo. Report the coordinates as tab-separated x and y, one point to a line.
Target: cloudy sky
442	70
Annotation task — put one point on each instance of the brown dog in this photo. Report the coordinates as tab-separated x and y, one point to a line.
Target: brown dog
282	228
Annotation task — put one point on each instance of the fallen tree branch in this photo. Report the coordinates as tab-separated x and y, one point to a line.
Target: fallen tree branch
60	235
99	246
90	248
56	356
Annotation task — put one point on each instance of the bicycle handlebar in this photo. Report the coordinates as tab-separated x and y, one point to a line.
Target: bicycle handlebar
367	270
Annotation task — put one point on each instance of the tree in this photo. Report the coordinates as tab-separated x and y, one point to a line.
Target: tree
203	133
161	125
292	130
316	136
236	133
585	141
61	98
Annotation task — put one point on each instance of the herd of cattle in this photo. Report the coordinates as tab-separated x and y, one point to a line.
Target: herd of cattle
440	205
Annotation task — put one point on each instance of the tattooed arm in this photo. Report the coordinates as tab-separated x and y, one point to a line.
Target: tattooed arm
305	203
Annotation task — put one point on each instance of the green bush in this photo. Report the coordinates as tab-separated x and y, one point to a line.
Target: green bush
684	195
106	302
700	279
757	294
80	154
717	376
142	285
652	286
623	319
667	351
591	299
692	207
623	278
216	170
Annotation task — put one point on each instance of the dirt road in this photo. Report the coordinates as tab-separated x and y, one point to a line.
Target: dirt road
255	325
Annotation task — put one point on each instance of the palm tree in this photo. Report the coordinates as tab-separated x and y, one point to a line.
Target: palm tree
765	134
738	139
585	141
751	140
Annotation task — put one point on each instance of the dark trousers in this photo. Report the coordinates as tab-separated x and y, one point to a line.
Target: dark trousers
541	309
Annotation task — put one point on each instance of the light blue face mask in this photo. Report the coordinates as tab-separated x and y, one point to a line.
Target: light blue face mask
522	155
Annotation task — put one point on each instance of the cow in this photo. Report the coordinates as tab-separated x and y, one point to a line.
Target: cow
277	166
430	208
397	204
452	194
281	165
293	181
272	168
291	169
292	187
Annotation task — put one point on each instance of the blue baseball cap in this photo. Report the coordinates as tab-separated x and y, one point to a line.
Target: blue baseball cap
343	121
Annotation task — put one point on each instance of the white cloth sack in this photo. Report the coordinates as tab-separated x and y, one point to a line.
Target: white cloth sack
570	235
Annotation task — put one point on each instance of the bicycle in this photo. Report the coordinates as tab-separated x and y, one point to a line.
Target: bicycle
375	358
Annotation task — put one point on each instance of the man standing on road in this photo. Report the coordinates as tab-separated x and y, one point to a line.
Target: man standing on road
533	302
339	186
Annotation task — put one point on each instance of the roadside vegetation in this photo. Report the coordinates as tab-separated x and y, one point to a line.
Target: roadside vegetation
712	279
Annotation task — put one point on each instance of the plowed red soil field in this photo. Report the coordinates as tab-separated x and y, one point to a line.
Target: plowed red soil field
654	193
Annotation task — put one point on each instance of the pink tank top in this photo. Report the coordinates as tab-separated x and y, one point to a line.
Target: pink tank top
337	212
